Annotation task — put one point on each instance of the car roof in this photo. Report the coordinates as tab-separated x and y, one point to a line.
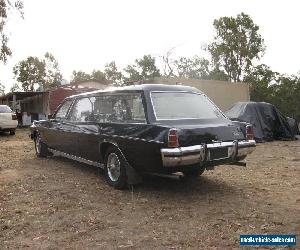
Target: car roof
140	87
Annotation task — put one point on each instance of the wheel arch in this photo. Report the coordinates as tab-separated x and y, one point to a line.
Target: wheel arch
104	147
133	177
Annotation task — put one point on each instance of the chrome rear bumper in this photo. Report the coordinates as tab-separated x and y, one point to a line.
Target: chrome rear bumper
199	154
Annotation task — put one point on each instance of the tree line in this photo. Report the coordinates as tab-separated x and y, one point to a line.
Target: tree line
234	55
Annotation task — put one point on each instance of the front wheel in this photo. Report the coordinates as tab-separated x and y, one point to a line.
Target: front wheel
115	168
41	148
12	132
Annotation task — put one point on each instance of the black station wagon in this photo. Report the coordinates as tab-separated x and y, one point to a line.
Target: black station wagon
141	129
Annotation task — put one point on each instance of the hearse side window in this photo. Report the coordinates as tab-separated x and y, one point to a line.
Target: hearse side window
119	108
62	112
81	110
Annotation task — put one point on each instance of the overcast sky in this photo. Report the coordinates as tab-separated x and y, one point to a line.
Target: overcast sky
84	35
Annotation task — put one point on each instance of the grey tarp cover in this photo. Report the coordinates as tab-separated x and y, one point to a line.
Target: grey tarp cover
294	125
268	123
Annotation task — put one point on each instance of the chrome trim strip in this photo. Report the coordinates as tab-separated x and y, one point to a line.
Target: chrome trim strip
132	138
76	158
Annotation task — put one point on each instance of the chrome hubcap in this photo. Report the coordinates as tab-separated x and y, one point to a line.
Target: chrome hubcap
38	144
113	167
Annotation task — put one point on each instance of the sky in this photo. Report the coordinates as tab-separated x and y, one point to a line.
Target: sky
85	35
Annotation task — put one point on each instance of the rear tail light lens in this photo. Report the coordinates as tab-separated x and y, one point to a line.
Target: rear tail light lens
249	132
173	138
14	117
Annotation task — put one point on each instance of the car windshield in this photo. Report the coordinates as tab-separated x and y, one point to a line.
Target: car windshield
183	105
5	109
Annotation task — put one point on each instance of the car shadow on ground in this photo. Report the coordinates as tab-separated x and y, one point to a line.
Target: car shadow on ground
183	188
186	188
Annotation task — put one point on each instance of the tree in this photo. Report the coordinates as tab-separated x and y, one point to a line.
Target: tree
217	74
98	75
286	95
6	8
196	67
168	63
78	76
235	46
112	73
143	69
53	77
2	89
283	91
15	88
262	82
30	72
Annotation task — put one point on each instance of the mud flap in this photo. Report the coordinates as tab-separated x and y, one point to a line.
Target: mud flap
132	176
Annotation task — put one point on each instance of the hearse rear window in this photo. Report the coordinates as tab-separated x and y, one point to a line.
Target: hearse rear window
183	105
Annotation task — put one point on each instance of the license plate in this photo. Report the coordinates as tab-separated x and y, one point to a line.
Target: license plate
218	153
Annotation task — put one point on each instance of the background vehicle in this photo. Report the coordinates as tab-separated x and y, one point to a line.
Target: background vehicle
142	129
268	123
8	120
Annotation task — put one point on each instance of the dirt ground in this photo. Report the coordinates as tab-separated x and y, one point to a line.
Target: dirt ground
56	203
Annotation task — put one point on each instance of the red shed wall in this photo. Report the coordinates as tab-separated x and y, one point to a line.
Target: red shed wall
57	96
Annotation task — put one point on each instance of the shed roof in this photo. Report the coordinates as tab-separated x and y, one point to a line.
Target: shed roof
21	95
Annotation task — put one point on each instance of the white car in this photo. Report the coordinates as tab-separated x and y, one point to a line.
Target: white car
8	120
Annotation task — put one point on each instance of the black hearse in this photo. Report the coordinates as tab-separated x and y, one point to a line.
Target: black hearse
135	130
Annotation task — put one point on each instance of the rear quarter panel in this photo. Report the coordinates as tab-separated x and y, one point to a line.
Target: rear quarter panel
140	143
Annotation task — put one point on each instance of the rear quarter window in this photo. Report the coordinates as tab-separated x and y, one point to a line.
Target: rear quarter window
119	108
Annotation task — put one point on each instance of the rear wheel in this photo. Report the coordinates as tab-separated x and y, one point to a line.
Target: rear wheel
115	168
12	132
41	148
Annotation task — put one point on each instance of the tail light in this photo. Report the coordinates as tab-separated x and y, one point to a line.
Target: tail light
249	132
14	117
173	138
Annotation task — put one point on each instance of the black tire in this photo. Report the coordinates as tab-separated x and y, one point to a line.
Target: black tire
115	176
12	132
41	148
194	173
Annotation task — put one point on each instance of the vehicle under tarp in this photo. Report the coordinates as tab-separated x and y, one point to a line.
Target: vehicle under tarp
268	123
